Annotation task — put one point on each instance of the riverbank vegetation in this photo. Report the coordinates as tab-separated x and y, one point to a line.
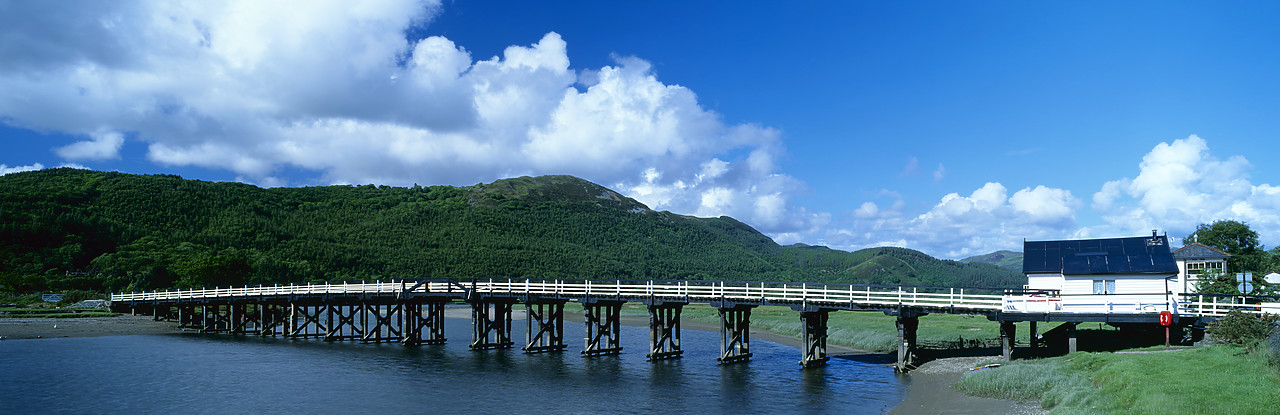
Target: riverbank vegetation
869	331
1240	374
69	229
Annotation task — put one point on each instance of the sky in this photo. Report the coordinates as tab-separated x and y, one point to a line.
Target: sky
953	128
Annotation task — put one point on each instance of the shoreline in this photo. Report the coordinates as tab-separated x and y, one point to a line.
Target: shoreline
928	388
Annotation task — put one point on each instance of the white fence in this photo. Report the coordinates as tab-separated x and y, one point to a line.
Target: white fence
836	295
1051	303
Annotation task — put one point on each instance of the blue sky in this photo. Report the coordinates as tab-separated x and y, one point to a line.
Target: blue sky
955	128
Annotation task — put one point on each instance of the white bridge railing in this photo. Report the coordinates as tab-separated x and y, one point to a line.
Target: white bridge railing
693	291
836	295
1051	302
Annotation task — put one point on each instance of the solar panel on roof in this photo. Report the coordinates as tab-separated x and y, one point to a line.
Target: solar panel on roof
1134	245
1142	264
1164	263
1137	255
1034	262
1113	247
1098	265
1075	265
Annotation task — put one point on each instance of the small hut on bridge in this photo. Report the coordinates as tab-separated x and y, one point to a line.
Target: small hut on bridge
1098	276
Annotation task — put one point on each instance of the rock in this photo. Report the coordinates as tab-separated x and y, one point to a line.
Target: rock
103	304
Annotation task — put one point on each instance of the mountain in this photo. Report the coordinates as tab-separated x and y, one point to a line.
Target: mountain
1004	259
66	229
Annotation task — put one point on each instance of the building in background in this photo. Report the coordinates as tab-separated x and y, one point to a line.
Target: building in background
1195	260
1097	276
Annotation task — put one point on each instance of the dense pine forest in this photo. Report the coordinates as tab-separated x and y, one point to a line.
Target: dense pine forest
70	229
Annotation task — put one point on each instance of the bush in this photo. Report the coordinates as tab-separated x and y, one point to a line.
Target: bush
75	296
1243	329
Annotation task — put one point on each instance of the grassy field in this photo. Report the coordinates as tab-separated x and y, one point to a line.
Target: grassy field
871	331
11	312
1220	379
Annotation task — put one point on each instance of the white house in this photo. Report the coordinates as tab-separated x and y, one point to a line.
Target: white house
1193	261
1115	275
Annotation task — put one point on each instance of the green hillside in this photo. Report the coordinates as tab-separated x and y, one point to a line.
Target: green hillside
1004	259
66	229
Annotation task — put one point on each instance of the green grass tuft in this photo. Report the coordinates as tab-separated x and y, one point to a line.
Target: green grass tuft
1219	379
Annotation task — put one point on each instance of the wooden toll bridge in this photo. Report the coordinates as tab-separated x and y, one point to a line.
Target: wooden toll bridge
412	311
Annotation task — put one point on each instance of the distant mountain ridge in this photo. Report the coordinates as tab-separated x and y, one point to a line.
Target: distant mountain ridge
1003	258
77	229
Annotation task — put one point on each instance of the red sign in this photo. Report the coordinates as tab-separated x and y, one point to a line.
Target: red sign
1166	318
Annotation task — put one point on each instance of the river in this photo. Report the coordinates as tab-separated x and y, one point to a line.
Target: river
217	374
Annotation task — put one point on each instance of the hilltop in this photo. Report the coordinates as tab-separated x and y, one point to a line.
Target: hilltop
77	229
1004	259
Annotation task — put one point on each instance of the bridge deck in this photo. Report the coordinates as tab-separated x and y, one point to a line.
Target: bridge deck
810	295
807	295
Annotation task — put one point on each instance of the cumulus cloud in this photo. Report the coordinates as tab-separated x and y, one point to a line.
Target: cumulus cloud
338	89
1180	185
986	220
5	169
103	145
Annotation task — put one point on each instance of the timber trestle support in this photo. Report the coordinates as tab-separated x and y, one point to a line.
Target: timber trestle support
424	322
413	312
544	326
664	329
603	321
735	332
908	323
813	336
491	323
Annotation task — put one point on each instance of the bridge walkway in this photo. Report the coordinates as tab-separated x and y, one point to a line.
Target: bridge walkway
412	311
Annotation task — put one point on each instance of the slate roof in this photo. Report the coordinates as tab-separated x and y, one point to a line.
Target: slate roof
1199	251
1138	255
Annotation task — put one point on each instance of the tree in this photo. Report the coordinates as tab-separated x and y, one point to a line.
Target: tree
1214	282
1235	238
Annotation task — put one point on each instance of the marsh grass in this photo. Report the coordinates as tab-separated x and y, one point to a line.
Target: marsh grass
871	331
12	312
1220	379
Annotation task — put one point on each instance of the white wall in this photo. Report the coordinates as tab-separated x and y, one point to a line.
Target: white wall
1044	281
1133	294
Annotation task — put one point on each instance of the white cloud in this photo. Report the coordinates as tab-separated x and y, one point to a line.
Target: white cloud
5	169
336	88
912	168
103	145
986	220
1180	185
940	173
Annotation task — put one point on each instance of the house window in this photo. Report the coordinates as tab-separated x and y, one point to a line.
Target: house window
1197	268
1104	286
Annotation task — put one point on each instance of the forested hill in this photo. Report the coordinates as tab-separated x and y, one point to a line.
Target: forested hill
1005	259
66	229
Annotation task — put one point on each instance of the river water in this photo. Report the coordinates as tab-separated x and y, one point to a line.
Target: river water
217	374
